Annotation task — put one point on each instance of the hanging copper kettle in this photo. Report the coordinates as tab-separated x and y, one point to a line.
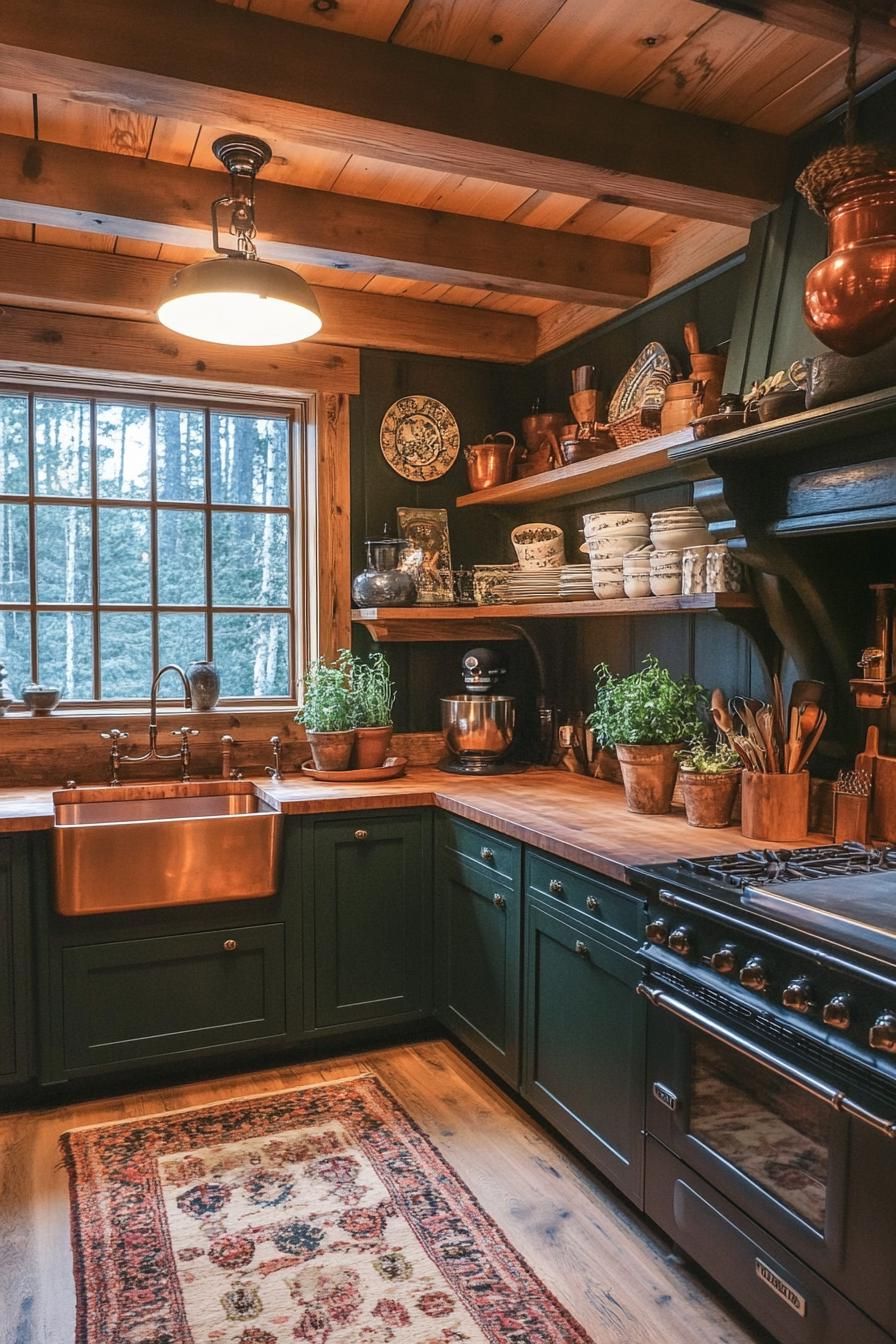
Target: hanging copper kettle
850	297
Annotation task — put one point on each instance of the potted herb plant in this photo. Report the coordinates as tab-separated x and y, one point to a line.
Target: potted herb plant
709	779
648	717
328	711
373	695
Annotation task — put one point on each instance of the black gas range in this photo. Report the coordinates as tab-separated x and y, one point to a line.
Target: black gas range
770	977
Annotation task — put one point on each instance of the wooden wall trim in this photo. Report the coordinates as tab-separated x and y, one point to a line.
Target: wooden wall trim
32	341
333	543
104	284
199	62
97	192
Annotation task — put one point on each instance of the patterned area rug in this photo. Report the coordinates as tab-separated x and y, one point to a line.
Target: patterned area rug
322	1215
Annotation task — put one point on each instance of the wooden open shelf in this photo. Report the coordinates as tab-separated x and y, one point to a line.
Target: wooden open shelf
642	459
431	624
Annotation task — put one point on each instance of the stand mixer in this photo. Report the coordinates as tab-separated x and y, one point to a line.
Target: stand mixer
479	726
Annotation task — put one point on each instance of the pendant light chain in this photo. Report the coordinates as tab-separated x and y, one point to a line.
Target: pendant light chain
851	68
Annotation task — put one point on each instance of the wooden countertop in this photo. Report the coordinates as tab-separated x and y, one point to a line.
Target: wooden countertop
583	820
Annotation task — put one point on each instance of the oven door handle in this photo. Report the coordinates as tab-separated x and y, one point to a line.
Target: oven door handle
823	1091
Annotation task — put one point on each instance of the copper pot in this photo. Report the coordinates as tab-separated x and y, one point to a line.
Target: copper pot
579	450
850	297
541	435
683	403
490	462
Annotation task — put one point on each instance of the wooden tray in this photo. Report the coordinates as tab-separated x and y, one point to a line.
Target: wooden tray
391	769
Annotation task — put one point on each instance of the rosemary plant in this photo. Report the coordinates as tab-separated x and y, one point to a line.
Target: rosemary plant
372	692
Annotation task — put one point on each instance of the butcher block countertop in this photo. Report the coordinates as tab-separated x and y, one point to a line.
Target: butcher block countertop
573	817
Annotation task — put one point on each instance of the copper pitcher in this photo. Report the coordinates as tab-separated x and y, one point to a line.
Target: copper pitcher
541	435
490	462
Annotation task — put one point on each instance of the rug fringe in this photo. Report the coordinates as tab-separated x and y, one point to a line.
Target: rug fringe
227	1101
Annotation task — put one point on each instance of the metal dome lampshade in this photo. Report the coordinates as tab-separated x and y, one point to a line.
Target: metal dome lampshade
235	299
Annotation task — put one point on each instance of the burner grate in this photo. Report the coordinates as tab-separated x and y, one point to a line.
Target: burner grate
761	866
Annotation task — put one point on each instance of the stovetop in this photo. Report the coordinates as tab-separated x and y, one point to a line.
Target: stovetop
760	867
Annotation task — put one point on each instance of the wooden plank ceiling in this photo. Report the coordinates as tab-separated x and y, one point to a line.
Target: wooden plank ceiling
686	56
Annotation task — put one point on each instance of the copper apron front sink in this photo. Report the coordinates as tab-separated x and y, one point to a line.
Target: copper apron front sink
145	846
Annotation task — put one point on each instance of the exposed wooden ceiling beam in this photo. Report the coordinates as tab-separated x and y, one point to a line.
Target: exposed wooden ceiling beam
75	345
829	19
225	66
86	189
73	280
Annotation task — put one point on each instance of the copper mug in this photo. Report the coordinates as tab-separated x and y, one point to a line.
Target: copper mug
490	462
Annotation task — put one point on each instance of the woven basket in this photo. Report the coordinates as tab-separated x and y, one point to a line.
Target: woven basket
635	427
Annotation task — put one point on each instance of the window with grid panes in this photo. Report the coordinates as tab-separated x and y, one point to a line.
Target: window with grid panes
135	534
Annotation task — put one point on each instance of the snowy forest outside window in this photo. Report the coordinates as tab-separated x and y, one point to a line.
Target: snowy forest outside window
134	534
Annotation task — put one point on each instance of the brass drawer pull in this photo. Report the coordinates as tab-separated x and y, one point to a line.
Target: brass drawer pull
499	900
592	903
487	855
555	887
230	944
361	835
581	948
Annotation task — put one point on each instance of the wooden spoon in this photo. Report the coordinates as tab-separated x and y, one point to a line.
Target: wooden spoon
811	742
765	722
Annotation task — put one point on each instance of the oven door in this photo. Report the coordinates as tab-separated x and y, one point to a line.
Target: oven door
814	1167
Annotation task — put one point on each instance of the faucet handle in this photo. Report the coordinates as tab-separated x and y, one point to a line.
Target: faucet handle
115	735
185	732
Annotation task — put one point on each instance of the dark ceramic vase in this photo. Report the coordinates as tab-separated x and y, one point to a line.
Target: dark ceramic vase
382	583
205	684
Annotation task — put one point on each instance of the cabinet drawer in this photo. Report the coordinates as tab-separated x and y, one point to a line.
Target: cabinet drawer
485	849
615	910
129	1001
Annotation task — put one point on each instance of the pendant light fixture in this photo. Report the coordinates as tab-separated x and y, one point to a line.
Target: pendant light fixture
236	299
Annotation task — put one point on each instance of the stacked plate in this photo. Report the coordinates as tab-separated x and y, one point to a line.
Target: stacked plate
532	585
575	582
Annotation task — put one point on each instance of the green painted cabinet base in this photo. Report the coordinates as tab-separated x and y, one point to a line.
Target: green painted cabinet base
125	1002
368	920
584	1032
15	961
477	936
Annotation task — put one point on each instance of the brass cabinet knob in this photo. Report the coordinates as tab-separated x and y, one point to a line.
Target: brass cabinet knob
555	887
361	835
230	944
581	948
487	855
499	900
592	903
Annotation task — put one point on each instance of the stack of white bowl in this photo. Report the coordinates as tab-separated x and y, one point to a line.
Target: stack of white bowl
673	531
608	537
636	571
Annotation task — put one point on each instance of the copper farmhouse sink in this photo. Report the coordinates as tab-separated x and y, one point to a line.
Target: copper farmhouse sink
146	846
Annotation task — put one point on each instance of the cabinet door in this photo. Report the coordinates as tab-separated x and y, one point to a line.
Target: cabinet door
477	960
185	994
14	961
584	1044
370	945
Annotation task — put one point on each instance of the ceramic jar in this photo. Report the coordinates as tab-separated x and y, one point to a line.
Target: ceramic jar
724	572
205	684
382	583
693	569
539	545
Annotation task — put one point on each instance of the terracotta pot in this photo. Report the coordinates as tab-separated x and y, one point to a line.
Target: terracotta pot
371	747
648	774
709	799
683	403
774	807
850	297
332	751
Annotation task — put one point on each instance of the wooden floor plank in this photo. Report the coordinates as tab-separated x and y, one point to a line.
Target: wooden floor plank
613	1272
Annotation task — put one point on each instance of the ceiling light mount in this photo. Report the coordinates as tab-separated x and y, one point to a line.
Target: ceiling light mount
258	304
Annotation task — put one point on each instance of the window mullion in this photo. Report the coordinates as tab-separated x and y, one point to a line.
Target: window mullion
96	642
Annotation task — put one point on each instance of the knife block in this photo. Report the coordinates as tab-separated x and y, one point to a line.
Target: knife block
774	807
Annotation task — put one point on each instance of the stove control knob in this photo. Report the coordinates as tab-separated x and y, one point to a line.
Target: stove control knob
754	975
657	931
724	961
882	1035
681	940
837	1012
798	995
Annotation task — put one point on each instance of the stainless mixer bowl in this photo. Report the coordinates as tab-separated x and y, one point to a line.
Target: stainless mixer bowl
478	728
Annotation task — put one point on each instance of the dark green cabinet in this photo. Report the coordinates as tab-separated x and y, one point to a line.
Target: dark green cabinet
584	1034
126	1002
477	962
368	920
15	961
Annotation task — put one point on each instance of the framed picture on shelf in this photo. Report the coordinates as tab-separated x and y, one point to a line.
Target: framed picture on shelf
428	554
